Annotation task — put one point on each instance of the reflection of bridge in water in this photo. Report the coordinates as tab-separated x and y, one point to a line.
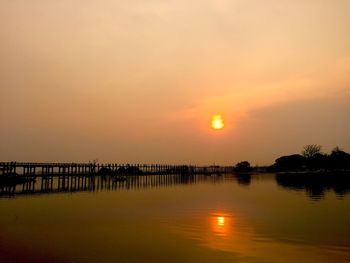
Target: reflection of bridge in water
93	183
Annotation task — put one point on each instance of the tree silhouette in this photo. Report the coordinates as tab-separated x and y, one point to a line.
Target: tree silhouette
243	167
292	162
339	159
311	150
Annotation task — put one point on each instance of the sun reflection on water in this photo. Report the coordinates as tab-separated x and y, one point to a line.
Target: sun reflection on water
220	220
221	224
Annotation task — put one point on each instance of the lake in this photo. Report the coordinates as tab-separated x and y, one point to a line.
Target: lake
228	218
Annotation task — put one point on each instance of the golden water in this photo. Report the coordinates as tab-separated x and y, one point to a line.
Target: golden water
213	219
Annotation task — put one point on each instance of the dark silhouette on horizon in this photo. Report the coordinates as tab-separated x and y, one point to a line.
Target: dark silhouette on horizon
312	159
120	171
243	173
314	172
243	167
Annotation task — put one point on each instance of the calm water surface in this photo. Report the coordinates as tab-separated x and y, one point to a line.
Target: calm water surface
201	219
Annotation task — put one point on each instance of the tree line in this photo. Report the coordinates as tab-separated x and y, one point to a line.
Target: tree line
311	158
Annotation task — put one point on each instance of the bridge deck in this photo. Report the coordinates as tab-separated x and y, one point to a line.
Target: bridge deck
56	169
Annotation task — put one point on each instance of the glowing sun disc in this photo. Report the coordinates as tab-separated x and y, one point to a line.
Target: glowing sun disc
217	123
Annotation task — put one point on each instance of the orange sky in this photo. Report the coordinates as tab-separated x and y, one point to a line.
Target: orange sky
138	81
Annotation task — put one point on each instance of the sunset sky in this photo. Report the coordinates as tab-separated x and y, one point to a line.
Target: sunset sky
139	81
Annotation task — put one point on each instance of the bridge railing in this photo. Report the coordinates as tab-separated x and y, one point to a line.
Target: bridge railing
36	168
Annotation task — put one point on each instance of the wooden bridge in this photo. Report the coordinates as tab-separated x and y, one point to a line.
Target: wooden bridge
26	169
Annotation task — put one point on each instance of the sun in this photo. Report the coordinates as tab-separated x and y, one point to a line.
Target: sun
217	123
